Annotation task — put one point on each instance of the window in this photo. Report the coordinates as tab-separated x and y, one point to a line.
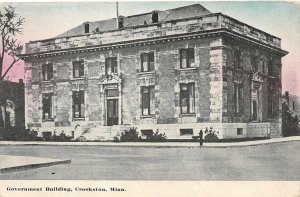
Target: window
47	106
120	22
271	98
239	131
147	132
148	100
271	68
238	106
187	98
186	131
237	59
111	65
47	71
78	69
254	64
78	104
293	105
187	58
147	60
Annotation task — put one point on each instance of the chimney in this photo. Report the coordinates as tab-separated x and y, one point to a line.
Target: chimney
86	28
154	17
121	22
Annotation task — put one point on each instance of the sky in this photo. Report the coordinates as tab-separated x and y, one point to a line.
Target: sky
281	19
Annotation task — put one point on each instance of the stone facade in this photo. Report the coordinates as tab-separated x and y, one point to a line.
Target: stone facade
233	72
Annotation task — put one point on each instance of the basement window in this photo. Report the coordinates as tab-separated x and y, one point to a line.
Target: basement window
239	131
78	69
187	58
147	132
147	62
47	71
186	132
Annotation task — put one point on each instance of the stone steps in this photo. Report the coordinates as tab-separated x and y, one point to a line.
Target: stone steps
104	133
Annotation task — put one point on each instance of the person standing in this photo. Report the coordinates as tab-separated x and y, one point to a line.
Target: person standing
201	137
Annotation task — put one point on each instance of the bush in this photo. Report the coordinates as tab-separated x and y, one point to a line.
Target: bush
62	137
130	136
211	135
81	139
156	137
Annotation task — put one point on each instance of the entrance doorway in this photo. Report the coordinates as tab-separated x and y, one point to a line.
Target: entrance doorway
112	112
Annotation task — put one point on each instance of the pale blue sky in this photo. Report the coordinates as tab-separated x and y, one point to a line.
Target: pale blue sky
282	19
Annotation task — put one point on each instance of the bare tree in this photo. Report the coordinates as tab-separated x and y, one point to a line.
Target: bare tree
10	49
10	25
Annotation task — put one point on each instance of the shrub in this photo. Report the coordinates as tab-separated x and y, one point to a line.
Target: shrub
211	135
156	137
81	139
130	136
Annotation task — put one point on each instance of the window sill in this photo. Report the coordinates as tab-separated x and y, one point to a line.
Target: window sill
78	119
48	81
187	115
147	116
48	120
186	69
146	73
77	78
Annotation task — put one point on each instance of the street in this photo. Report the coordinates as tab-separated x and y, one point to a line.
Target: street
269	162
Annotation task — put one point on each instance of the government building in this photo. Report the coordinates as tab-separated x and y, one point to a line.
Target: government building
176	71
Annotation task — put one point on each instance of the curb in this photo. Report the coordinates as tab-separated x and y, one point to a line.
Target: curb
32	166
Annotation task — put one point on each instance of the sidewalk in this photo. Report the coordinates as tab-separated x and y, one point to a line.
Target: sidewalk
16	163
154	144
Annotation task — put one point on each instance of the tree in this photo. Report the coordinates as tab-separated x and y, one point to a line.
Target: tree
10	26
10	49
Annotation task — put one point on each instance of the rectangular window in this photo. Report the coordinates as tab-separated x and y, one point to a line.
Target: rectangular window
147	62
238	91
187	98
111	65
47	106
186	131
271	98
254	64
78	69
78	104
237	59
239	131
271	68
148	100
147	132
47	71
187	58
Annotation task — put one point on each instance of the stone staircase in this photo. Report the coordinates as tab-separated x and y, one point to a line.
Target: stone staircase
104	133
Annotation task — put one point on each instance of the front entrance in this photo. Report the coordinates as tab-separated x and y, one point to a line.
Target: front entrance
112	112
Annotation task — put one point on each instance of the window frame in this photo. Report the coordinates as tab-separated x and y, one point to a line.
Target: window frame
237	59
150	108
187	96
50	108
80	102
150	59
80	65
189	52
238	98
47	72
112	63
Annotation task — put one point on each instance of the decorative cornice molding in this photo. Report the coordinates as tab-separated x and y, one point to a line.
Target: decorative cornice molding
153	41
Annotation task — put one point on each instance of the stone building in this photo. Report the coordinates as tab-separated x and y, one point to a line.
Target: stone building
179	71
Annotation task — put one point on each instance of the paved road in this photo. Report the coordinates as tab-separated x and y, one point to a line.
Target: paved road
269	162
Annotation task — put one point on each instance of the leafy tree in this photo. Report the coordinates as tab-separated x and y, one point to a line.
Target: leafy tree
290	123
